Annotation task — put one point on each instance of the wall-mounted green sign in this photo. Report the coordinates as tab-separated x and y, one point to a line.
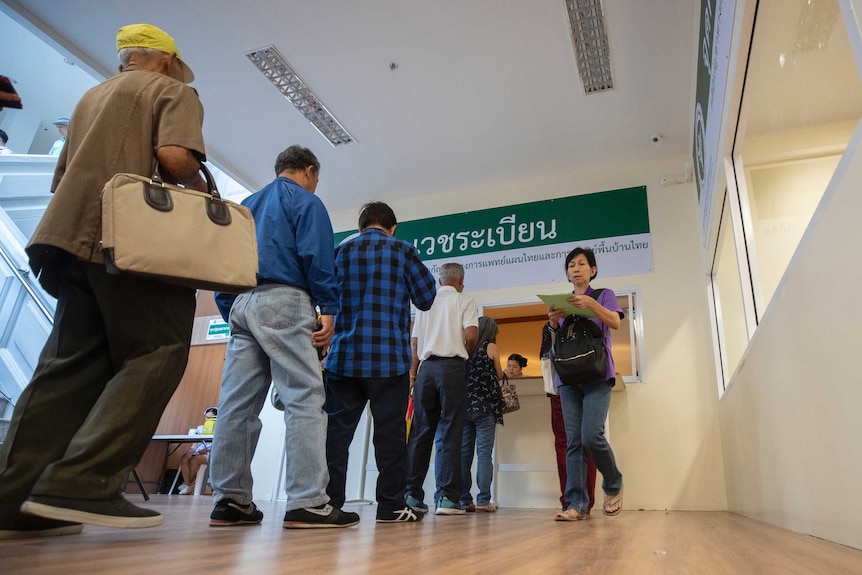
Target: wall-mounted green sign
217	329
563	220
527	243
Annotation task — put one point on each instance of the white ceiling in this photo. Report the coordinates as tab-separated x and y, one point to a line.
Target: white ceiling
485	90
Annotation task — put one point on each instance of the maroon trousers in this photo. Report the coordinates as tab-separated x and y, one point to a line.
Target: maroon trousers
560	448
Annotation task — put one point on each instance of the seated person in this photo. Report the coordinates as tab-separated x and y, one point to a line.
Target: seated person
195	457
190	464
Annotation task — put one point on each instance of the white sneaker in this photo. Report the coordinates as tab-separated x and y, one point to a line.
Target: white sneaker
184	489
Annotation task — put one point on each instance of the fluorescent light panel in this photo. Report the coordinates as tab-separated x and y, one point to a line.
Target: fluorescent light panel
591	44
282	75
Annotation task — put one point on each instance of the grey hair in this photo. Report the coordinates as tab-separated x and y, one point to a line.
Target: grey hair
488	330
296	158
125	55
451	270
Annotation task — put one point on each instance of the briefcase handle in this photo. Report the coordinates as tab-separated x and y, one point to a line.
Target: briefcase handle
158	196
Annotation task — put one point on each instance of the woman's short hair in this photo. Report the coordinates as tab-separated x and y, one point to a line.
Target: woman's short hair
522	361
296	158
588	253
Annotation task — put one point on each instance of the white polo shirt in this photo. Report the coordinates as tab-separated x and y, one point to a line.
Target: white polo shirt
440	330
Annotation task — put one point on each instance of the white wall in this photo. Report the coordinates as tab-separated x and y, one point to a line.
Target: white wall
790	424
664	432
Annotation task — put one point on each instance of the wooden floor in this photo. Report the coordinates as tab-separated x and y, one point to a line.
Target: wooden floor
509	541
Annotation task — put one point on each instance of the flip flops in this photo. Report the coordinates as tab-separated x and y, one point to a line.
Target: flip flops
571	515
613	503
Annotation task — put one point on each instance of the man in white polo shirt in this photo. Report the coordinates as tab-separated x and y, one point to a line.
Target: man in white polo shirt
442	339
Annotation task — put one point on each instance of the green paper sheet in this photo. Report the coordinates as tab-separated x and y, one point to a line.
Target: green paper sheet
560	301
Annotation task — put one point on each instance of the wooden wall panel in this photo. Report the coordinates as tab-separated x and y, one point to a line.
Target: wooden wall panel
198	390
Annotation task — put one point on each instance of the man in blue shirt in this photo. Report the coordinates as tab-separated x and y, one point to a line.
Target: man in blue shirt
369	360
274	333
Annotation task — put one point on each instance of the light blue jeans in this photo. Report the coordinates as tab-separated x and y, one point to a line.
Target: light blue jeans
271	341
479	430
585	408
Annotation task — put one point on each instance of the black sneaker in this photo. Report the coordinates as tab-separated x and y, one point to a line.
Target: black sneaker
320	517
405	515
228	512
105	512
17	525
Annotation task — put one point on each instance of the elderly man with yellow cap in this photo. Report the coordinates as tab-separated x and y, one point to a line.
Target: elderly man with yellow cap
119	344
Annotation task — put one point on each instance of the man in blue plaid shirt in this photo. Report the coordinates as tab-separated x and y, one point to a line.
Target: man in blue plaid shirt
369	357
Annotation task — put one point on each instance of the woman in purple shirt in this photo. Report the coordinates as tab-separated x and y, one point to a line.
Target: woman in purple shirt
585	406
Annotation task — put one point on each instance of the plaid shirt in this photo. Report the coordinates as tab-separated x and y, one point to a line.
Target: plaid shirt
379	276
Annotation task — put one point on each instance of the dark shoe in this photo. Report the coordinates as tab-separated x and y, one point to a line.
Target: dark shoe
320	517
405	515
17	525
416	505
469	507
105	512
228	512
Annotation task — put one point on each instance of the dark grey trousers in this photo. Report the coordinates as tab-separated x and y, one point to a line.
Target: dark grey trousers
117	352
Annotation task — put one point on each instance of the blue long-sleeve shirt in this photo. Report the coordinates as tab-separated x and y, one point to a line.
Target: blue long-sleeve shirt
295	243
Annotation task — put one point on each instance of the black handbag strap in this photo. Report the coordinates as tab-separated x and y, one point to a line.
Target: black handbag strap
158	197
212	189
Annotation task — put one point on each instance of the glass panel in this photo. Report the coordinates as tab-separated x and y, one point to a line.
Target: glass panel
802	101
726	284
624	341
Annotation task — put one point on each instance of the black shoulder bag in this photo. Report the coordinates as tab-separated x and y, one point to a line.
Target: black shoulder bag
579	350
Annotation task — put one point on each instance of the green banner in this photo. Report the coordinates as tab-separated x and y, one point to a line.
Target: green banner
702	94
563	220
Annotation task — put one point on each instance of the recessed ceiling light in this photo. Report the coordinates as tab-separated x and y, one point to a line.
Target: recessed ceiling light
282	75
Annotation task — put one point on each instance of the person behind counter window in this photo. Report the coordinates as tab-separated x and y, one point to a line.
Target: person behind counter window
515	366
585	406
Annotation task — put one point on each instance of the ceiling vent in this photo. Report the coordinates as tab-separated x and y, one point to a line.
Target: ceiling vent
276	69
590	41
